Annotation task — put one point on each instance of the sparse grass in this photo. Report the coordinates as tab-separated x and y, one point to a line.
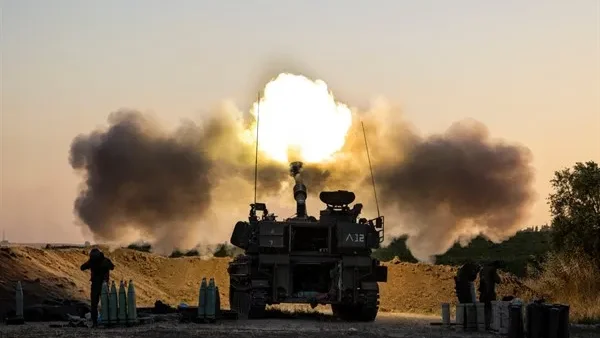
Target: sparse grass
143	247
227	250
219	250
189	253
573	279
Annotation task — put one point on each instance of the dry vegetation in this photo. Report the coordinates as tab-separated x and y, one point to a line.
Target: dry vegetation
572	279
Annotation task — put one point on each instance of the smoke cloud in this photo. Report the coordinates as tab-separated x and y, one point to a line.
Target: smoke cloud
140	177
178	188
456	184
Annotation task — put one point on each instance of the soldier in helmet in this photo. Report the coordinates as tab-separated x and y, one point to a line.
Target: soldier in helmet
100	267
465	277
488	278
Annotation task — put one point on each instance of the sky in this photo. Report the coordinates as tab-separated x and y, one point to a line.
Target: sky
529	70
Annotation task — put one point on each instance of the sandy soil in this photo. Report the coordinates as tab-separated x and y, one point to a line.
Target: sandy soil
55	273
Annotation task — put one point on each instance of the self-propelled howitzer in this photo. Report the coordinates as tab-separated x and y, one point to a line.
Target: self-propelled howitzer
307	260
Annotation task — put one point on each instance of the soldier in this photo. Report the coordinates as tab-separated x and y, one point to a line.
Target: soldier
465	277
100	267
488	278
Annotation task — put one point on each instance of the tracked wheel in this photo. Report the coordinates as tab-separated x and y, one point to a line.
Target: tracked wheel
342	311
248	305
367	311
363	312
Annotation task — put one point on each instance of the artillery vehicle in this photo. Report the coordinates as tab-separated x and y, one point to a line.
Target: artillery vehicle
307	260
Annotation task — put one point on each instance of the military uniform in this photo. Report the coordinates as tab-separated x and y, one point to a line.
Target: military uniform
465	277
488	278
100	267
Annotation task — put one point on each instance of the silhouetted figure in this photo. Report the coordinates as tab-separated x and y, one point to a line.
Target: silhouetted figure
100	267
465	277
488	278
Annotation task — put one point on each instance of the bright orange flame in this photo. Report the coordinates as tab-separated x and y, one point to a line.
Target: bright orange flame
300	116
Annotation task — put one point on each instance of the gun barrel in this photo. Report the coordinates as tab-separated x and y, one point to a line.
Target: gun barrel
300	197
300	192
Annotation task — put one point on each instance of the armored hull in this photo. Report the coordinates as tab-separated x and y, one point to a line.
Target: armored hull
308	260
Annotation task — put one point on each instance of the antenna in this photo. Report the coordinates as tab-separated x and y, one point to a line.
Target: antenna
371	169
256	154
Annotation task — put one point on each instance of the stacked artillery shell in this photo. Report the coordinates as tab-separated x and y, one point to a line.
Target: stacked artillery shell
202	299
122	303
131	304
446	313
118	307
104	303
19	300
211	300
113	304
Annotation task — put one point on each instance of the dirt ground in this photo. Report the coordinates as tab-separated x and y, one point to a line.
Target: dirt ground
386	325
55	273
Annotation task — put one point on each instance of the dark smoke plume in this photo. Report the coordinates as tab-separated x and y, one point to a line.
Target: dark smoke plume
138	176
457	184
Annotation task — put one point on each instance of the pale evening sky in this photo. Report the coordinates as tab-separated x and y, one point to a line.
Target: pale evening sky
529	70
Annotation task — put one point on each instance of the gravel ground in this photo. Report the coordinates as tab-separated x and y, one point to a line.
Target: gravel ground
386	325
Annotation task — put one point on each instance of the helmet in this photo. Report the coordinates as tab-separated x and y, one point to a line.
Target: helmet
95	253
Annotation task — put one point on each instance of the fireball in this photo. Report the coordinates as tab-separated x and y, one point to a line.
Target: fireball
299	119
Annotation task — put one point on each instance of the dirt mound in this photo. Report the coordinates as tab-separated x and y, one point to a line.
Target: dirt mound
55	274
